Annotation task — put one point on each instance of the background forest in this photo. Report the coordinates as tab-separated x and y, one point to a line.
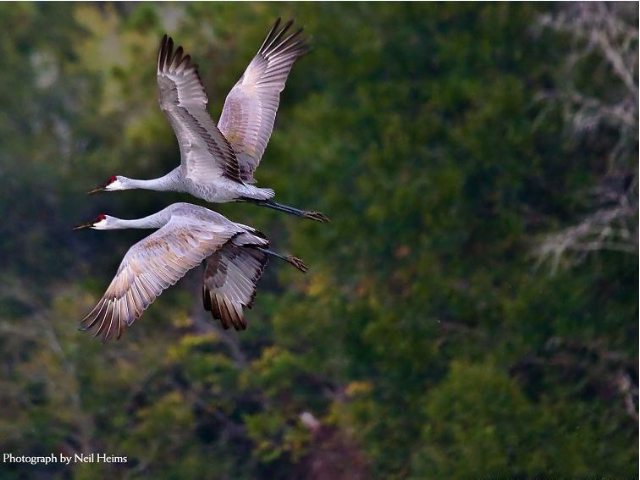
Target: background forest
471	310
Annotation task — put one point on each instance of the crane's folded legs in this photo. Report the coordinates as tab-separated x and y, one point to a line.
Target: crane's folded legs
295	261
317	216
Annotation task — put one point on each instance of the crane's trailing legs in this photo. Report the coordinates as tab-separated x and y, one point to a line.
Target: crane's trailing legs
295	261
317	216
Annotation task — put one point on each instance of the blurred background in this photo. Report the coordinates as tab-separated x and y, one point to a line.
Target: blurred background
471	310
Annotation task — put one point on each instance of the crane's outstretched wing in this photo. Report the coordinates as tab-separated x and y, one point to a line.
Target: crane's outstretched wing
205	152
151	266
230	280
250	108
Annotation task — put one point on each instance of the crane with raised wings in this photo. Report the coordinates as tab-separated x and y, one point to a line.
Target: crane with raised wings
218	161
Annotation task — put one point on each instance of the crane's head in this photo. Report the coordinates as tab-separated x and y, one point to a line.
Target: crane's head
101	222
113	183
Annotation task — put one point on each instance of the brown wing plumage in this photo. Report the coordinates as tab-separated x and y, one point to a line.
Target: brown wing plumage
151	266
204	150
250	107
229	284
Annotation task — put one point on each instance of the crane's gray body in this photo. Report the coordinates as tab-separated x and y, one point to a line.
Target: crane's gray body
186	235
186	214
220	190
218	161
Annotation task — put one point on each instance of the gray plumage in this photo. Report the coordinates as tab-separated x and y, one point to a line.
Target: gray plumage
229	282
250	107
187	234
218	162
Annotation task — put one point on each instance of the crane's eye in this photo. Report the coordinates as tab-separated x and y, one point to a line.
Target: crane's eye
100	217
111	180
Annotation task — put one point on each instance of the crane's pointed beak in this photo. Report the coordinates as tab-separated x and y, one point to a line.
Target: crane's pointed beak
99	188
83	225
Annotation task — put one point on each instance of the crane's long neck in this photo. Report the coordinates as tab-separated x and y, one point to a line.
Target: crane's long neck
156	220
168	182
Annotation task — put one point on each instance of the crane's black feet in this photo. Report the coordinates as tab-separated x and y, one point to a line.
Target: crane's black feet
296	262
317	216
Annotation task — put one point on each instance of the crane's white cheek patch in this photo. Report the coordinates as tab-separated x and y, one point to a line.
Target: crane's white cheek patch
101	225
115	185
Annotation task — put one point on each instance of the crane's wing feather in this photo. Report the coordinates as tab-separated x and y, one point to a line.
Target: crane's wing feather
151	266
250	107
230	280
206	154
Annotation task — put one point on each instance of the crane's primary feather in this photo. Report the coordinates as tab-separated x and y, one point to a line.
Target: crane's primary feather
229	284
205	152
250	107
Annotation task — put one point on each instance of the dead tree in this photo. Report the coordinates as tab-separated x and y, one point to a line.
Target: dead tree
606	36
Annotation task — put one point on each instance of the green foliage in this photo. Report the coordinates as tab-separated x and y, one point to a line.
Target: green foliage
423	341
480	424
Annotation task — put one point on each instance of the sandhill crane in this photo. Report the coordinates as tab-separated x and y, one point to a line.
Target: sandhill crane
218	161
187	234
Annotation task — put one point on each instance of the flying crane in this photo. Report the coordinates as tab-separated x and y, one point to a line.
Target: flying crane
218	162
187	234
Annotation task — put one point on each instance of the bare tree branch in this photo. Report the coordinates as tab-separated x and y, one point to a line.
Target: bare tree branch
606	32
